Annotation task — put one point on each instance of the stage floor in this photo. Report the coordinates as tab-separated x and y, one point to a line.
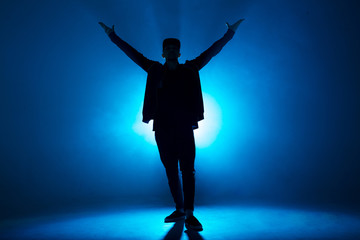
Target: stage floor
219	222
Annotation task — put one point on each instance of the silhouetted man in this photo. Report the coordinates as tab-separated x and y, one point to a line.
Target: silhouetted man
173	99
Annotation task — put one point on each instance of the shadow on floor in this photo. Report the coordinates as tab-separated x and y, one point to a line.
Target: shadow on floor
175	233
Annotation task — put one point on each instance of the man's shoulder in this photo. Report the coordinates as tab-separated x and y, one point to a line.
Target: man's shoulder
190	65
155	66
190	70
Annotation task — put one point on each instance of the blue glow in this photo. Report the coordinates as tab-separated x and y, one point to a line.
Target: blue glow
204	136
281	102
210	127
220	222
144	130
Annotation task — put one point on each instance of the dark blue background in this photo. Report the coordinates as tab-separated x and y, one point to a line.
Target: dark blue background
287	86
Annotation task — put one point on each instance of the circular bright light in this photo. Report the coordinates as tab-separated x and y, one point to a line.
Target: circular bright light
144	129
205	135
209	128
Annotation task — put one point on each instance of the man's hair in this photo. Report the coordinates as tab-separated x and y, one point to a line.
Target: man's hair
171	41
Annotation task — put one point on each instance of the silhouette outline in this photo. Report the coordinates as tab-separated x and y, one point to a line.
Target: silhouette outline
173	99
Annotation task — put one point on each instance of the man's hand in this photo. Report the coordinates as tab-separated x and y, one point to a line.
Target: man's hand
106	28
235	25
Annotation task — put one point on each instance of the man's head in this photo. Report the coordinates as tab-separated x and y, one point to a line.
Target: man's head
171	49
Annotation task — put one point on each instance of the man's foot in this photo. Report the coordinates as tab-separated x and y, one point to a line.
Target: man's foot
175	216
193	223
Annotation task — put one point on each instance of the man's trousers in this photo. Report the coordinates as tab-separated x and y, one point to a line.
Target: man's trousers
177	146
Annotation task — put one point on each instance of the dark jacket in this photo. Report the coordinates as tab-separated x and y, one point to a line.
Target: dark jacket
156	71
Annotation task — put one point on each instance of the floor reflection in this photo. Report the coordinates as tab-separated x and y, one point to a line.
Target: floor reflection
219	222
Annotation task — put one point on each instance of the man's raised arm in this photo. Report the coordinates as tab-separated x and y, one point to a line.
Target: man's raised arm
131	52
206	56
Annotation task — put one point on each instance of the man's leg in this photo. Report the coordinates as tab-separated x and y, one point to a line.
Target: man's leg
186	148
166	142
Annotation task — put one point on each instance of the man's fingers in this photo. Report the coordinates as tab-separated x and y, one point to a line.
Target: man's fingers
238	22
105	27
102	25
235	25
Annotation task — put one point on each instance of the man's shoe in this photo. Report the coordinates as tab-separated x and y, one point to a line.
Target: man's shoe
193	223
175	216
